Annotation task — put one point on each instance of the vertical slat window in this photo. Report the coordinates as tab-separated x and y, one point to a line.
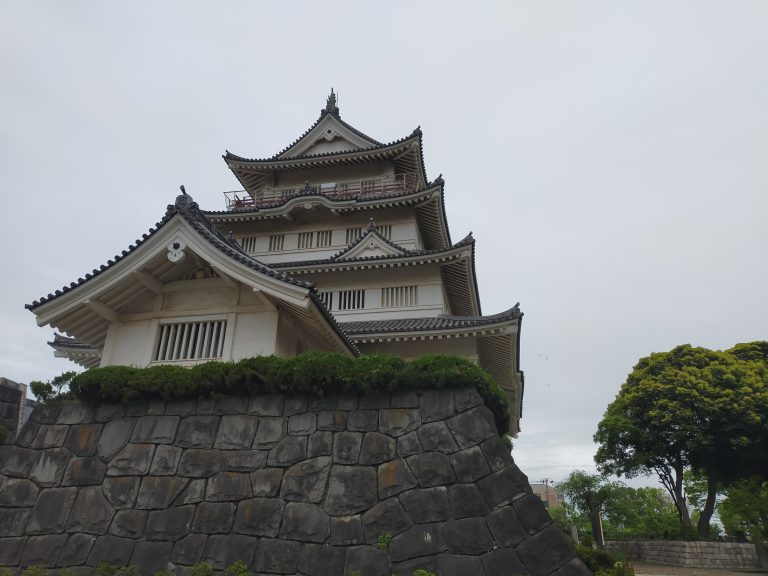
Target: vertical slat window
323	238
306	240
327	299
351	299
353	234
399	296
385	230
276	242
190	341
248	243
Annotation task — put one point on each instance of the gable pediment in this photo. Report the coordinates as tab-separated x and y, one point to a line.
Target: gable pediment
327	136
371	245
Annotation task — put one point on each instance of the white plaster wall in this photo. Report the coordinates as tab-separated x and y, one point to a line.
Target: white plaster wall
287	338
129	343
254	335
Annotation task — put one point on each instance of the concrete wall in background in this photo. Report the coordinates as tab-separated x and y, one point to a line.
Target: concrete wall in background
695	554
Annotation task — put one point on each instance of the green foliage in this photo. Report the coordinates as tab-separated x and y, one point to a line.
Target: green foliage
239	568
64	572
422	573
54	388
744	511
33	570
107	569
640	513
589	494
382	542
202	569
164	572
5	571
314	373
595	560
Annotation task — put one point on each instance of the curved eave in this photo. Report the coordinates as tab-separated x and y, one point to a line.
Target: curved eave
334	117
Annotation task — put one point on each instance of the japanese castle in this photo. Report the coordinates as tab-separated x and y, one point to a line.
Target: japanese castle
337	243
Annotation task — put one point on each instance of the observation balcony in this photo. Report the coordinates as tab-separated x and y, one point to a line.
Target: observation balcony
339	189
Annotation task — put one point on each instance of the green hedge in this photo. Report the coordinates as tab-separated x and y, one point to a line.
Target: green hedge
315	373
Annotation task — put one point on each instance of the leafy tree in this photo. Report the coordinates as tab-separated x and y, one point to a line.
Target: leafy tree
690	408
588	493
640	513
45	391
745	512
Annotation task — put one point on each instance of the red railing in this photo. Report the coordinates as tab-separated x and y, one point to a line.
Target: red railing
342	189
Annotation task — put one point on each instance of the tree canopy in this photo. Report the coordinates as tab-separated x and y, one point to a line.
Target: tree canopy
690	408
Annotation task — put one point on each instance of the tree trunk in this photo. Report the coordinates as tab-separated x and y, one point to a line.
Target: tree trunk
597	528
702	526
761	547
682	506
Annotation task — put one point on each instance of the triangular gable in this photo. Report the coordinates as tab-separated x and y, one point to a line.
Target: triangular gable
329	134
370	245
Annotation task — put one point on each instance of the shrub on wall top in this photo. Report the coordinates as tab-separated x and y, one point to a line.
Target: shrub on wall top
314	373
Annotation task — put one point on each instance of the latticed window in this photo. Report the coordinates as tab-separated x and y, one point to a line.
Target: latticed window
353	234
327	299
323	238
248	243
306	240
190	341
276	242
399	296
385	230
351	299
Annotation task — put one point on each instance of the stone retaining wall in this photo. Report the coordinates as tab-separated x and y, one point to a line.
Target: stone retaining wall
380	484
695	554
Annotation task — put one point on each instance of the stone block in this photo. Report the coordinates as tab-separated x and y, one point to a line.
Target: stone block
367	560
244	460
84	472
469	464
91	513
13	521
76	550
149	557
193	493
373	400
170	524
50	436
46	413
472	427
270	432
302	424
214	517
181	408
230	405
266	405
166	460
435	437
197	463
83	438
43	550
204	406
112	550
289	450
459	565
74	413
16	461
409	444
466	398
325	402
129	523
259	516
545	551
532	513
305	522
49	466
227	486
17	492
426	504
399	421
465	500
377	448
51	510
236	432
351	489
133	460
108	412
114	436
155	429
320	444
222	551
197	431
387	518
189	550
363	421
431	469
404	400
576	568
306	481
436	405
10	550
346	531
27	434
467	536
318	560
265	483
122	491
277	556
394	477
408	567
347	402
159	491
346	447
335	420
156	408
504	486
497	453
295	405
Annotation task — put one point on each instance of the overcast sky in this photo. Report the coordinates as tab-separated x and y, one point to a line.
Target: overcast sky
610	157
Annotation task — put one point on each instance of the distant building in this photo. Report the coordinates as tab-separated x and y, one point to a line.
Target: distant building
338	242
548	494
13	405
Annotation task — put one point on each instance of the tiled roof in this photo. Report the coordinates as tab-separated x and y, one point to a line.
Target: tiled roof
428	324
60	341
